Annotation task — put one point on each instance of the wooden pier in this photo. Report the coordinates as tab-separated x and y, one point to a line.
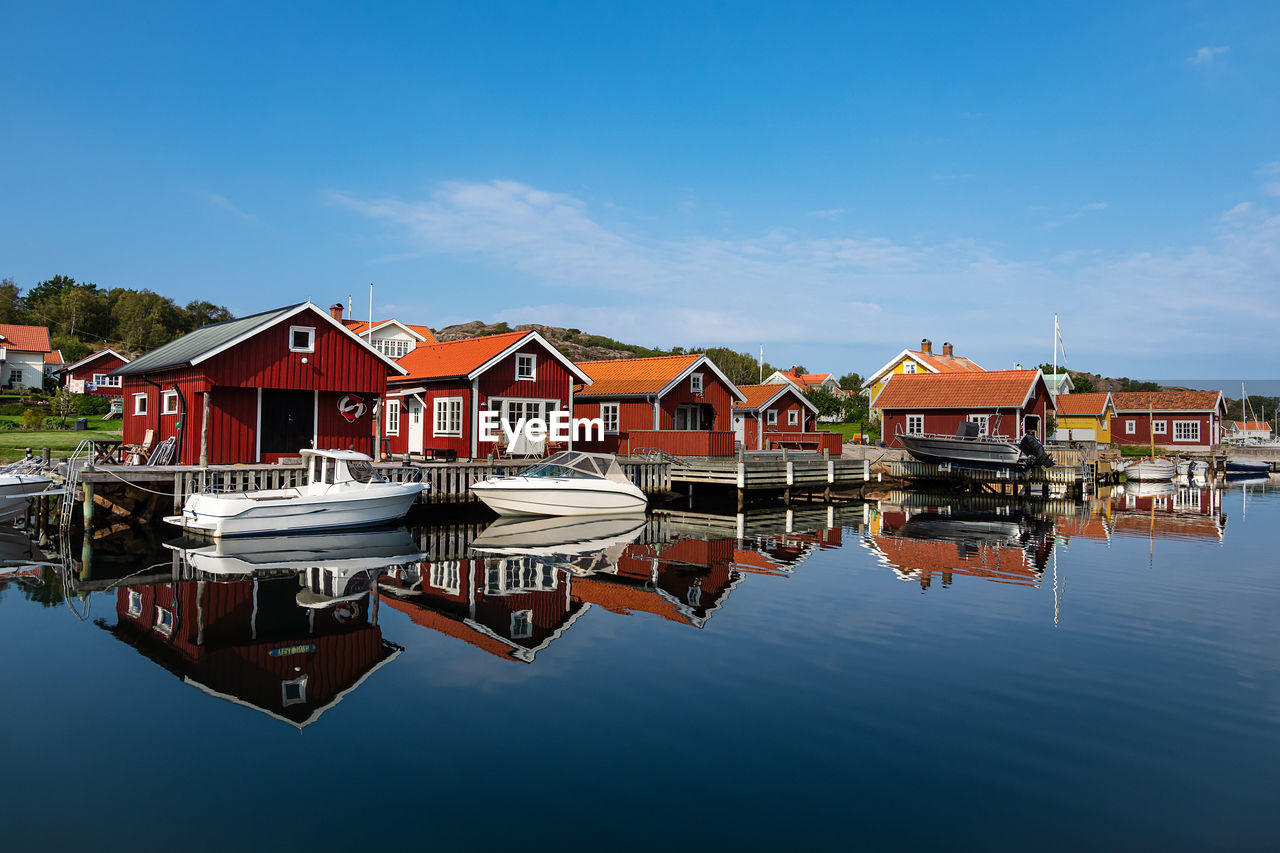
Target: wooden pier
1070	479
784	475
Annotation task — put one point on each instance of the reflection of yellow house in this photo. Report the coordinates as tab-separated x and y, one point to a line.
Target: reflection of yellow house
923	360
1085	417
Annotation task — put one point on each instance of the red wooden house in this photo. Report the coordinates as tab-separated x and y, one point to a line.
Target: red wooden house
779	415
436	405
92	374
249	642
1007	403
1173	420
257	389
681	404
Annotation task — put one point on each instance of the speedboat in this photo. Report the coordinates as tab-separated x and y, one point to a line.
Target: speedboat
1153	468
967	449
1248	466
342	489
567	483
542	536
17	490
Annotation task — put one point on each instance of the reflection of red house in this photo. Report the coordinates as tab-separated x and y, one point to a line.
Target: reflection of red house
511	608
89	374
681	404
248	641
258	388
1004	402
1183	512
921	559
681	581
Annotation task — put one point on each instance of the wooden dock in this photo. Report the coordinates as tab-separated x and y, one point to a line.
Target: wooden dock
1069	479
776	474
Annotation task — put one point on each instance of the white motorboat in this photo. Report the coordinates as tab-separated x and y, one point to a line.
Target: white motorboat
347	551
543	536
568	483
17	490
1153	469
342	489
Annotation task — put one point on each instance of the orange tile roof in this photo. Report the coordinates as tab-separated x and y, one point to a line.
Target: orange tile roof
454	358
631	376
450	627
920	559
1165	401
624	599
758	395
1091	527
1082	404
944	363
806	379
987	389
1258	425
54	357
25	338
359	326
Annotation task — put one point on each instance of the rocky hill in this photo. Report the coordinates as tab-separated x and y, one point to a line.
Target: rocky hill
572	342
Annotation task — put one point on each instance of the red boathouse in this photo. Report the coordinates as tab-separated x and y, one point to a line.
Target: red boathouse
257	389
1008	403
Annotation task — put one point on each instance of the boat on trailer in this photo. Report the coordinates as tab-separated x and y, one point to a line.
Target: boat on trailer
968	449
571	482
342	490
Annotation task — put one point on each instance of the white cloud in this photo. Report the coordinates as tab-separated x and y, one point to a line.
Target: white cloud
224	203
1206	55
1270	170
828	213
1095	205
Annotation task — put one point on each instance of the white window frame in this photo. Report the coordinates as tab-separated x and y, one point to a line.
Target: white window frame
983	422
1160	427
445	576
140	404
1130	426
1187	433
310	345
525	618
793	417
695	383
300	699
771	417
393	348
908	366
102	380
164	621
914	424
135	603
167	397
393	417
446	404
611	417
531	360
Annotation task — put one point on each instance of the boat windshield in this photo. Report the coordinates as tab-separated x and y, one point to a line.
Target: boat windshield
364	472
567	463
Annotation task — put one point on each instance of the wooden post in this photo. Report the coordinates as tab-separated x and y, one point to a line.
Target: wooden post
88	506
204	431
47	455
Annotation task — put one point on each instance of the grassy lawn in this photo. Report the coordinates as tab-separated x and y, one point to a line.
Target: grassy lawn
848	431
14	443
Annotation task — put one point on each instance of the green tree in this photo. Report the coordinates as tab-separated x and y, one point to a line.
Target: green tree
10	302
851	382
1083	383
200	313
741	368
829	405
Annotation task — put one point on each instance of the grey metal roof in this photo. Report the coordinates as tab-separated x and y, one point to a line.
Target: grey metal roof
195	344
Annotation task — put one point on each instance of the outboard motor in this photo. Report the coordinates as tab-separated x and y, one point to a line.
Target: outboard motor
1031	447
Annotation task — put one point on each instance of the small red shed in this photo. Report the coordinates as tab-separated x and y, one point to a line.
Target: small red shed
1007	403
92	374
436	405
1173	420
257	389
681	404
773	411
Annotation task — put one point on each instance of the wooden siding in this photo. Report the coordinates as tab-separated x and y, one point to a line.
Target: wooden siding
103	364
679	442
1210	429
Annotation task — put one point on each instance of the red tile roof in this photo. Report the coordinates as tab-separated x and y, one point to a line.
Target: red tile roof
921	559
1090	403
944	363
758	395
25	338
986	389
359	326
1166	401
54	357
455	358
806	380
1252	425
629	376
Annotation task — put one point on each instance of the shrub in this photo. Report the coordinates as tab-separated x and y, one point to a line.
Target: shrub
55	423
91	404
32	419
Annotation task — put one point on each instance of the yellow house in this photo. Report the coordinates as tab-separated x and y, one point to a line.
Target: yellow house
1085	417
923	360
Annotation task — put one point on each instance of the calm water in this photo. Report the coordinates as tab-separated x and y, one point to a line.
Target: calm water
916	673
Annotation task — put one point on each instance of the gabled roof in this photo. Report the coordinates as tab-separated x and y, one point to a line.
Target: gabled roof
1167	401
1055	381
931	361
94	356
208	341
760	397
1252	425
987	389
422	333
54	357
803	380
470	357
25	338
644	377
1091	403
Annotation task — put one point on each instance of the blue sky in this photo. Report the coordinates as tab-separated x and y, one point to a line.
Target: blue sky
833	181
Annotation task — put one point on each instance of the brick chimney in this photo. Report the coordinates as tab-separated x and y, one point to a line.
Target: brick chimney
335	311
926	346
948	350
795	370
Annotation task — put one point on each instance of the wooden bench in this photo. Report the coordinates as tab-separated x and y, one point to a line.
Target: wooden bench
447	454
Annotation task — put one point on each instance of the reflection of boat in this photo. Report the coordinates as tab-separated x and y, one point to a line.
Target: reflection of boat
557	535
968	449
349	551
16	490
1248	479
1150	488
342	490
568	483
1248	466
1192	467
1151	469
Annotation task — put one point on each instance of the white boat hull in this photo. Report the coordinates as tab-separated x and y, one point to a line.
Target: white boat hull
1151	470
291	511
559	496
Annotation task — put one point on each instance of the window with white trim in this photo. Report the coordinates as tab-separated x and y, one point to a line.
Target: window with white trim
139	404
521	624
393	347
302	339
135	603
444	576
294	692
695	383
15	376
915	424
169	402
1159	427
609	416
1186	430
448	416
526	366
771	417
983	422
793	417
164	621
393	417
908	367
102	380
1130	426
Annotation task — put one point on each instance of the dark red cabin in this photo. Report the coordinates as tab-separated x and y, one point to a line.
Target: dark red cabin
91	374
1007	403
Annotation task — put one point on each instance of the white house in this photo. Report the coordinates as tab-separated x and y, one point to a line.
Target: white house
26	355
